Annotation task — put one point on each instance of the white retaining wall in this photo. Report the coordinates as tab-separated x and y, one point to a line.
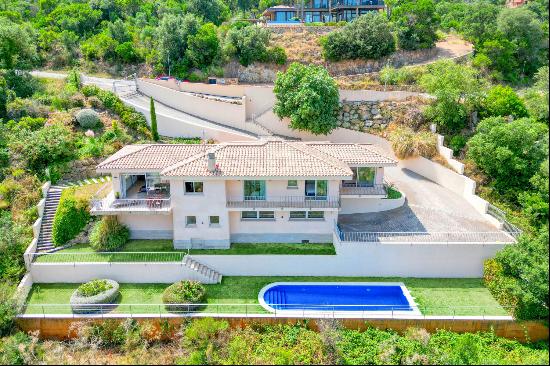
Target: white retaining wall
363	205
353	259
229	114
448	155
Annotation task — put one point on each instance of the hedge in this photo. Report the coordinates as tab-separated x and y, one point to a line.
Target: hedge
501	286
128	115
70	218
82	304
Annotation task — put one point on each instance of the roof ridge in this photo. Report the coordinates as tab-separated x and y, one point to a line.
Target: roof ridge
192	158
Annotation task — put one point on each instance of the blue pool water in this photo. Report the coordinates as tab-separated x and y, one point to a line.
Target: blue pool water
338	297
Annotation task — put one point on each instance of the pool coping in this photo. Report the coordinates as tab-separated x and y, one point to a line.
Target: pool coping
404	289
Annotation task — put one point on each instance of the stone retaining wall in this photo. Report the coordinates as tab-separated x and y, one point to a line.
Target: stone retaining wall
82	169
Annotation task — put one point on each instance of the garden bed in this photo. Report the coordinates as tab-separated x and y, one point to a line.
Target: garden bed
434	296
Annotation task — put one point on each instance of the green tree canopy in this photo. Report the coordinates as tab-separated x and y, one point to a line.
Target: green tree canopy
416	23
503	101
309	96
17	48
79	18
214	11
172	37
509	152
203	47
536	97
247	44
367	37
457	90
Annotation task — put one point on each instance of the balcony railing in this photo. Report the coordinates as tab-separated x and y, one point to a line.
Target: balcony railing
361	189
110	204
308	202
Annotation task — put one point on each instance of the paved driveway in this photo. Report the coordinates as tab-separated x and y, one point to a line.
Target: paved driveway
429	208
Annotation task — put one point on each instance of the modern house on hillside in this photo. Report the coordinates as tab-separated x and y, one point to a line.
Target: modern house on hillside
321	10
261	191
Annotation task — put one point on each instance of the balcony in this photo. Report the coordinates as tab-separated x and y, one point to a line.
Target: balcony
283	202
358	189
357	3
112	206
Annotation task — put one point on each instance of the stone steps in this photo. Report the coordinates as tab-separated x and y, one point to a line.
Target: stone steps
45	243
211	275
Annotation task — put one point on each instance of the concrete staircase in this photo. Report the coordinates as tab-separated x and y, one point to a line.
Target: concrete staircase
45	243
208	274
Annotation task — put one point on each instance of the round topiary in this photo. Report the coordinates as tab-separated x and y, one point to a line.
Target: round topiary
85	298
87	118
181	296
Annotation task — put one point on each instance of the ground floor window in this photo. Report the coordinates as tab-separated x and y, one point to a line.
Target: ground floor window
190	221
304	215
193	187
214	220
257	215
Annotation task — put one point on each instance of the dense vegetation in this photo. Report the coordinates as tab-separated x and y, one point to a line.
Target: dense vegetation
210	341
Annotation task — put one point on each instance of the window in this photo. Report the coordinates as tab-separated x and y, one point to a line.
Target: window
316	215
254	190
294	215
364	176
255	215
214	220
316	189
267	214
190	221
193	187
292	184
307	215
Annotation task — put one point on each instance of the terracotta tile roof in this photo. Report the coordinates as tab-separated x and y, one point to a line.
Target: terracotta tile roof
149	157
354	154
264	158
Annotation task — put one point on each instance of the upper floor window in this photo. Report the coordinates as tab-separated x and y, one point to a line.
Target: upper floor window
193	187
316	189
292	184
190	221
254	189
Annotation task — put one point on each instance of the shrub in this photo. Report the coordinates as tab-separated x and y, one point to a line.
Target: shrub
457	143
184	292
416	23
248	44
309	96
8	309
276	55
70	218
95	102
93	293
503	101
74	80
509	152
93	288
367	37
408	144
393	193
19	108
108	235
87	118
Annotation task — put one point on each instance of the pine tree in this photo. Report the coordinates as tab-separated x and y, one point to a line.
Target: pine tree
154	121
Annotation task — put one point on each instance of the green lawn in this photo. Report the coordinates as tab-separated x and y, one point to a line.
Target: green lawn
434	296
165	252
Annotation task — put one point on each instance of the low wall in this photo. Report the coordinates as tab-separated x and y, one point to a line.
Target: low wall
363	205
63	328
37	225
166	272
226	113
203	88
448	155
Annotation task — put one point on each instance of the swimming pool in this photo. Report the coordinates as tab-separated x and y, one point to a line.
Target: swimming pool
373	297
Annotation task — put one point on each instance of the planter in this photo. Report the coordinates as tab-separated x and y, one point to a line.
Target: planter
100	303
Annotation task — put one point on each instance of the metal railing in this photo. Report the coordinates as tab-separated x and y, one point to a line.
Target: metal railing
131	204
105	257
501	216
493	237
308	202
257	310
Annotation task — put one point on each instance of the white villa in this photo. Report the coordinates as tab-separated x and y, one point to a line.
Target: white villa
263	191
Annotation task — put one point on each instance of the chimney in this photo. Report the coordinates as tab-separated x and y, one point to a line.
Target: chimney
211	162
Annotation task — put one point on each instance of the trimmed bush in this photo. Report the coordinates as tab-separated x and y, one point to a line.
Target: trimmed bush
70	218
87	118
108	235
92	293
180	295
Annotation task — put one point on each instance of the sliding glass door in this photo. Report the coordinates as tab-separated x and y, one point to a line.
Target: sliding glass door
365	176
254	189
316	189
